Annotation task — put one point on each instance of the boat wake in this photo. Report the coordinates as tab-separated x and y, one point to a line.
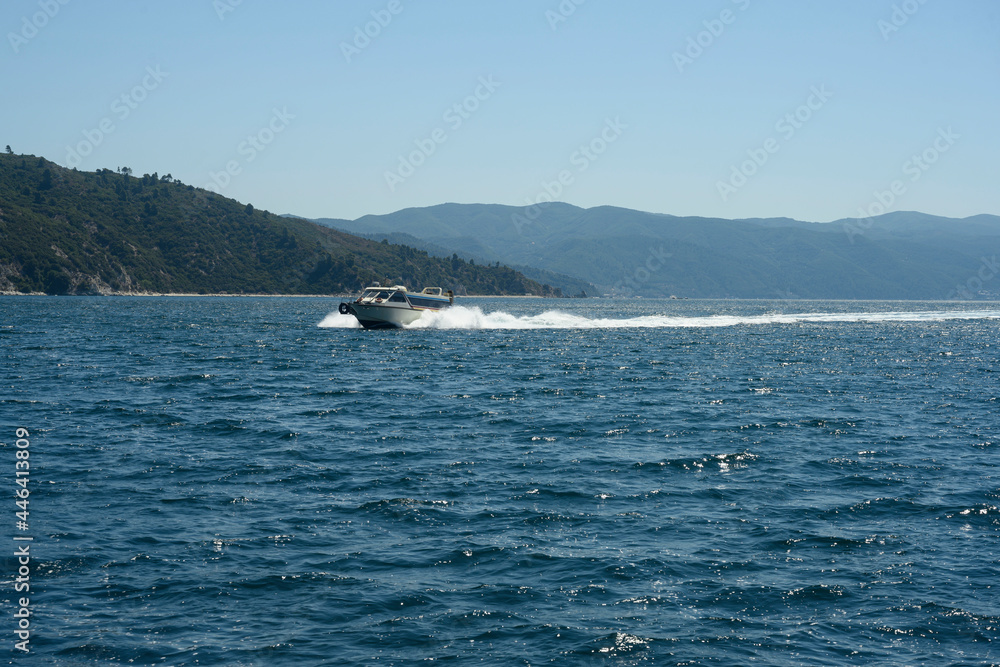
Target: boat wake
462	317
337	321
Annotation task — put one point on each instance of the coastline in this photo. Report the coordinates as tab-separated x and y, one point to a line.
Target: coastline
257	296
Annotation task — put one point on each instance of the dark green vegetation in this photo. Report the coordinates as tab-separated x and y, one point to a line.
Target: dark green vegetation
69	232
893	256
566	284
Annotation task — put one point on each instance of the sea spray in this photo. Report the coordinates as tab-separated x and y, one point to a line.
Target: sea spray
463	317
337	321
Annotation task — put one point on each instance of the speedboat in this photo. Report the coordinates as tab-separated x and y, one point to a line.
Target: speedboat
383	307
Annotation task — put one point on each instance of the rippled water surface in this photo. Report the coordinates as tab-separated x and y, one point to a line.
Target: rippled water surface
248	481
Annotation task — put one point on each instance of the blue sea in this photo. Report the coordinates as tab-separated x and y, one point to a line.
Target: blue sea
256	481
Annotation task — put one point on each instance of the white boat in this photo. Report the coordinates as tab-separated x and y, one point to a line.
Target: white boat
383	307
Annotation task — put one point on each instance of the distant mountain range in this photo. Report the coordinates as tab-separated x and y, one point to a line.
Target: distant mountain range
900	255
69	232
64	231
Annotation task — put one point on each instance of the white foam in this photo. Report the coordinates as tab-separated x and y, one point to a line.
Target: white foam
462	317
337	321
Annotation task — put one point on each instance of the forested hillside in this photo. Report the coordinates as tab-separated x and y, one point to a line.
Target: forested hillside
68	232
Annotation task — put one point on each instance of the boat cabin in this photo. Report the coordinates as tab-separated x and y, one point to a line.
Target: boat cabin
430	297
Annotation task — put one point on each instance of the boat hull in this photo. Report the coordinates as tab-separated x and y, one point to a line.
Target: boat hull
373	316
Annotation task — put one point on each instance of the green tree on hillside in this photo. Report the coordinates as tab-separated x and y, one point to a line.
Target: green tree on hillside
65	231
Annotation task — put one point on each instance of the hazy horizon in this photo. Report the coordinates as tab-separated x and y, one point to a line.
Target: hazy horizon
665	213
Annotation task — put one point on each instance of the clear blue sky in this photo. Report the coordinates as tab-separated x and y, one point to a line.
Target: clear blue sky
869	84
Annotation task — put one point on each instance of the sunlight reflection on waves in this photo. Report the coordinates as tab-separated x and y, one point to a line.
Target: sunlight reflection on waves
462	317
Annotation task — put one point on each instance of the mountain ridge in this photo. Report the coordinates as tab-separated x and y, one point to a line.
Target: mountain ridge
898	255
